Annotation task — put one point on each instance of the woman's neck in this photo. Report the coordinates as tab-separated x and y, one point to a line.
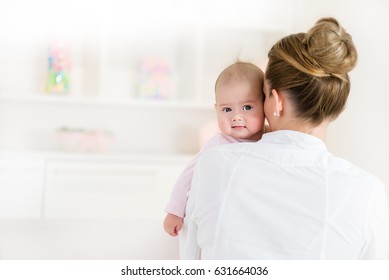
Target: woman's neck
319	131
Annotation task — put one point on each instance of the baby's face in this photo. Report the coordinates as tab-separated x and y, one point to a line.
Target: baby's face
239	109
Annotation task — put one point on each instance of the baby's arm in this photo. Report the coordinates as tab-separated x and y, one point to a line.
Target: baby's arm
176	206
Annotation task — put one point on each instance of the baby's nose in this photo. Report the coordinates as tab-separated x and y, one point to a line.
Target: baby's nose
237	118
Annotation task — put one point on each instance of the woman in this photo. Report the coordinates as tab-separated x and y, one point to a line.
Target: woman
286	196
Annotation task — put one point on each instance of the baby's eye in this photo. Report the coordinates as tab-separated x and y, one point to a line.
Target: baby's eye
226	109
247	107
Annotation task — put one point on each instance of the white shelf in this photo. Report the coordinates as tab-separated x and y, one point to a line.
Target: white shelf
76	156
93	101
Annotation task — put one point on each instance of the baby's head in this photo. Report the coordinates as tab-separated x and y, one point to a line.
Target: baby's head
239	101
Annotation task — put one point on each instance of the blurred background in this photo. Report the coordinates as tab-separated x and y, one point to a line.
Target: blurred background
103	103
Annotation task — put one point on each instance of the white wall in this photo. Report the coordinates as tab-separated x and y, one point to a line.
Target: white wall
361	133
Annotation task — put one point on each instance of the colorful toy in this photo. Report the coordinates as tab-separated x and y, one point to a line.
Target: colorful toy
155	79
58	70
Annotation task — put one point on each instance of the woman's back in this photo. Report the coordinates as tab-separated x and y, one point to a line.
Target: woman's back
284	197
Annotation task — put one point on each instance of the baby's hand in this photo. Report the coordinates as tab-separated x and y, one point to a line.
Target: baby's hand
172	224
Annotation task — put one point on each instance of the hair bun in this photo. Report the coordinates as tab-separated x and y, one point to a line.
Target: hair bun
331	47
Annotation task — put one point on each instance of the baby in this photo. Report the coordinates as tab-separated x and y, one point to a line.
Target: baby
240	115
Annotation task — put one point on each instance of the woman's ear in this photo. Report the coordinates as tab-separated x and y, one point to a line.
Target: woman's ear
277	102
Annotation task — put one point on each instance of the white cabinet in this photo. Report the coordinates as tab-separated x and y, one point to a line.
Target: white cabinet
131	188
21	187
82	186
74	206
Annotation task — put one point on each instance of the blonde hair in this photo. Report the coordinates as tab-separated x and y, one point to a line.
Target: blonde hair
242	71
312	68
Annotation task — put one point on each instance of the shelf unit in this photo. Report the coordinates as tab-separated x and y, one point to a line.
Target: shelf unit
107	41
107	47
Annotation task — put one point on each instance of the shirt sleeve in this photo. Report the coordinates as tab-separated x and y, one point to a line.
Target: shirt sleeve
377	226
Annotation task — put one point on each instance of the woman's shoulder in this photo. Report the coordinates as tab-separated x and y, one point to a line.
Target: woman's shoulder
343	167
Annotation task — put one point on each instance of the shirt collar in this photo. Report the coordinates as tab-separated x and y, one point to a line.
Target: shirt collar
295	138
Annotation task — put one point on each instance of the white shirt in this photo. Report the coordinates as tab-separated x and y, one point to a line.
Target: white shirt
179	195
284	197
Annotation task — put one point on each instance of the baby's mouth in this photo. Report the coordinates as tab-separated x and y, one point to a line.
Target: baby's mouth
238	126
